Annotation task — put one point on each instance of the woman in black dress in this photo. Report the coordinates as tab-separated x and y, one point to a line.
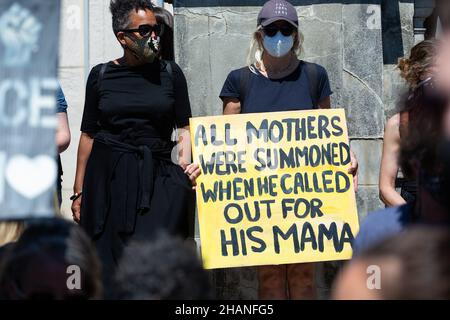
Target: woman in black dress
127	186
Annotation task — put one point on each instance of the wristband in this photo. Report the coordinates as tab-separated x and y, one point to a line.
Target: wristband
76	196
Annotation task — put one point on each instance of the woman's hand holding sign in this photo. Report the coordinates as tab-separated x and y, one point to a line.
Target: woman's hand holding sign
193	172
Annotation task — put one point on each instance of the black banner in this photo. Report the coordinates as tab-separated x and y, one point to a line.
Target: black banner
29	45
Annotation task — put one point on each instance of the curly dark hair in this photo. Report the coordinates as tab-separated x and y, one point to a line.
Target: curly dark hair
421	59
166	269
120	10
419	147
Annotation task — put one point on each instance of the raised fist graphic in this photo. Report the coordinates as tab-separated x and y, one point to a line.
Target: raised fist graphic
19	36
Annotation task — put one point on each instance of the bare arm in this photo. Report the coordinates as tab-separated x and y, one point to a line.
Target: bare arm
185	156
231	106
84	151
185	150
389	163
62	132
325	103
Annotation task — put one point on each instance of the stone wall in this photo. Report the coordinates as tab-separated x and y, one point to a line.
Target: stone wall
358	44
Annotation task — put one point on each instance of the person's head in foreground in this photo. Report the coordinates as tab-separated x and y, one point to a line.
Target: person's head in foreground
53	260
414	264
425	148
166	269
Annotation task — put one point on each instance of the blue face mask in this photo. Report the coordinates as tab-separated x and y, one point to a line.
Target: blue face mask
278	46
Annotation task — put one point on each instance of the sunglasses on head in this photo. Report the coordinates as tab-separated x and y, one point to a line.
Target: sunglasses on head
272	30
146	30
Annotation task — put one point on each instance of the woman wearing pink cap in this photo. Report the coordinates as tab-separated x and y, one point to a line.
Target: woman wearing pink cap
276	80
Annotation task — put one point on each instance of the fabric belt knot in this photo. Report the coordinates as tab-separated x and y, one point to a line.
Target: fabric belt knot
144	156
145	178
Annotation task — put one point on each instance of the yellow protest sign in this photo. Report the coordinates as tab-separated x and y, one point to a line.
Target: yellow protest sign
274	188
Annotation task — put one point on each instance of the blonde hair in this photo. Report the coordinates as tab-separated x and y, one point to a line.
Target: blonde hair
256	49
10	231
421	59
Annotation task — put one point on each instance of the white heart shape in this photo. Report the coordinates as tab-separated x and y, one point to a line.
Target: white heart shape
31	177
